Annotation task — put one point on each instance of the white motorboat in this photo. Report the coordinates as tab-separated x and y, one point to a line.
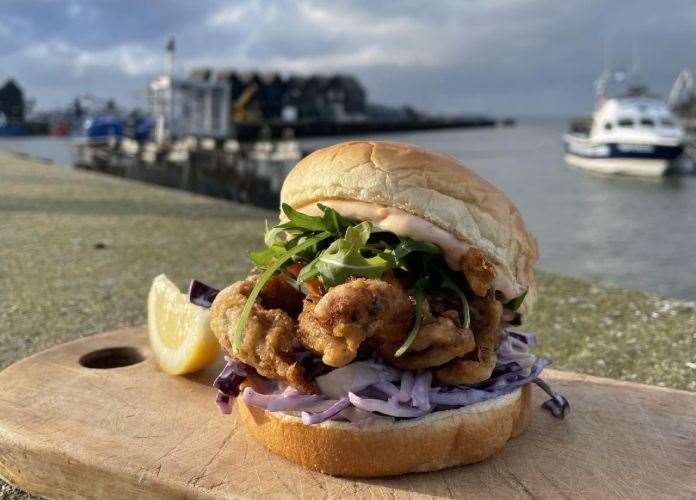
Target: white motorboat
631	133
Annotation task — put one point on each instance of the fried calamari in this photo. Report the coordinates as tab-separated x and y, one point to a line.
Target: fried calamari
336	324
269	342
478	365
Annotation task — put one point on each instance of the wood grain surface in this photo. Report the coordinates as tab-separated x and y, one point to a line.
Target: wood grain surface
67	431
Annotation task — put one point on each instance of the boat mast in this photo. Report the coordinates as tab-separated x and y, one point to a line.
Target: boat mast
604	77
635	59
171	52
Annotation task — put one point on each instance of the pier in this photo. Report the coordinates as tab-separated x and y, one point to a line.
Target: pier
250	173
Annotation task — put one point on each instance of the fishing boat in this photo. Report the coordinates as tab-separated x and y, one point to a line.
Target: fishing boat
632	134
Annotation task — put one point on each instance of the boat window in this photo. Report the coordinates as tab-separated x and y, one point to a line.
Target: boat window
647	122
666	122
608	126
626	122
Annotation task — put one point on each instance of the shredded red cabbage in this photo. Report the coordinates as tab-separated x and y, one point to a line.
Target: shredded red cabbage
228	382
421	388
331	411
558	405
385	407
372	388
527	338
201	294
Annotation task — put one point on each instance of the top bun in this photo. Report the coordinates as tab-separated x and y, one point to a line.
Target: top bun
430	186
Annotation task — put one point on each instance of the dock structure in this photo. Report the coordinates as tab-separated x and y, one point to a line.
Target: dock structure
244	172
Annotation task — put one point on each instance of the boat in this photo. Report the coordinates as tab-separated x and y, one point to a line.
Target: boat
632	134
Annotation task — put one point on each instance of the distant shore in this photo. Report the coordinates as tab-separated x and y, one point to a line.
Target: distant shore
250	132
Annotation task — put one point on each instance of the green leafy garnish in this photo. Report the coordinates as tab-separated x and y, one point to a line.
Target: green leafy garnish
515	303
263	257
408	246
263	279
419	296
298	220
330	221
450	284
343	259
333	249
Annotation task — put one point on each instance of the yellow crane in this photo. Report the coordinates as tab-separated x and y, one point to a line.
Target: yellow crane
240	111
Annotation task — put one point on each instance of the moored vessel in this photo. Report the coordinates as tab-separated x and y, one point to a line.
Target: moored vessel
631	134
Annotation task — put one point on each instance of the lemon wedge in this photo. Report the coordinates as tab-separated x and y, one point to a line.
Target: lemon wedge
179	331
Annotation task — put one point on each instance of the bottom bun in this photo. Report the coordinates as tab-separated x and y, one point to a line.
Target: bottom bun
436	441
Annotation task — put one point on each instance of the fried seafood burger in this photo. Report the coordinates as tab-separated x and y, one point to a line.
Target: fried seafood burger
378	332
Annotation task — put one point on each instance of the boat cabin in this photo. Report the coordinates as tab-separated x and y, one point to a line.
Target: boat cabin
634	117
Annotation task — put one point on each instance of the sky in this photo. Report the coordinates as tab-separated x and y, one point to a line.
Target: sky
498	57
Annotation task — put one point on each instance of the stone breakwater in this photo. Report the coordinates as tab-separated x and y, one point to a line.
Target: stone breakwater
79	250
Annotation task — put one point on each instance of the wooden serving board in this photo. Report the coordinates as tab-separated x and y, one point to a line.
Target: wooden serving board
68	431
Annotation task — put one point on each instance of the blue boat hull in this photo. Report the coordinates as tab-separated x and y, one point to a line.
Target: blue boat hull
621	158
619	150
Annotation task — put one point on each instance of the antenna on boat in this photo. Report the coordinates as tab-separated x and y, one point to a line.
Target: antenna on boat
607	57
635	58
171	51
603	80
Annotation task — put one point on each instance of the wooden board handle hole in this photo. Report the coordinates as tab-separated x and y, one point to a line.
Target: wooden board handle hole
112	357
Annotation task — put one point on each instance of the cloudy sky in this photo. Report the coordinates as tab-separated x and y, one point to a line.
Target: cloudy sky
517	57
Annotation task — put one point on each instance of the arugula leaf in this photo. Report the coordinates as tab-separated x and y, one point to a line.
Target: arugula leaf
408	246
263	279
301	221
515	303
335	222
272	236
450	284
419	295
343	258
263	257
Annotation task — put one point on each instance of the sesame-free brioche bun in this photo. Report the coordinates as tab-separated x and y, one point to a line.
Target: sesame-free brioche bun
438	440
428	186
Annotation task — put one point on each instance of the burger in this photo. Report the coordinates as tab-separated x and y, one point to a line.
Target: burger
379	330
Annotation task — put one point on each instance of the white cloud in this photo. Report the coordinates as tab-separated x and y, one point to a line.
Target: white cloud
333	37
74	9
441	55
238	12
5	30
133	60
360	57
355	22
130	59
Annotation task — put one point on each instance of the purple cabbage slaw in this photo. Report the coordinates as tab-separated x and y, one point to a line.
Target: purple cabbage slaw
201	294
365	390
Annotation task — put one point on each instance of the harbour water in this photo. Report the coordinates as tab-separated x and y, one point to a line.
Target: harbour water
47	148
634	233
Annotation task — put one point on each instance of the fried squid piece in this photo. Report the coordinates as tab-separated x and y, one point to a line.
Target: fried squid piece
479	273
440	339
269	341
478	365
335	324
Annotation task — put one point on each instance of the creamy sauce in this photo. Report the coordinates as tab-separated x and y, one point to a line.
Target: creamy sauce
402	223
